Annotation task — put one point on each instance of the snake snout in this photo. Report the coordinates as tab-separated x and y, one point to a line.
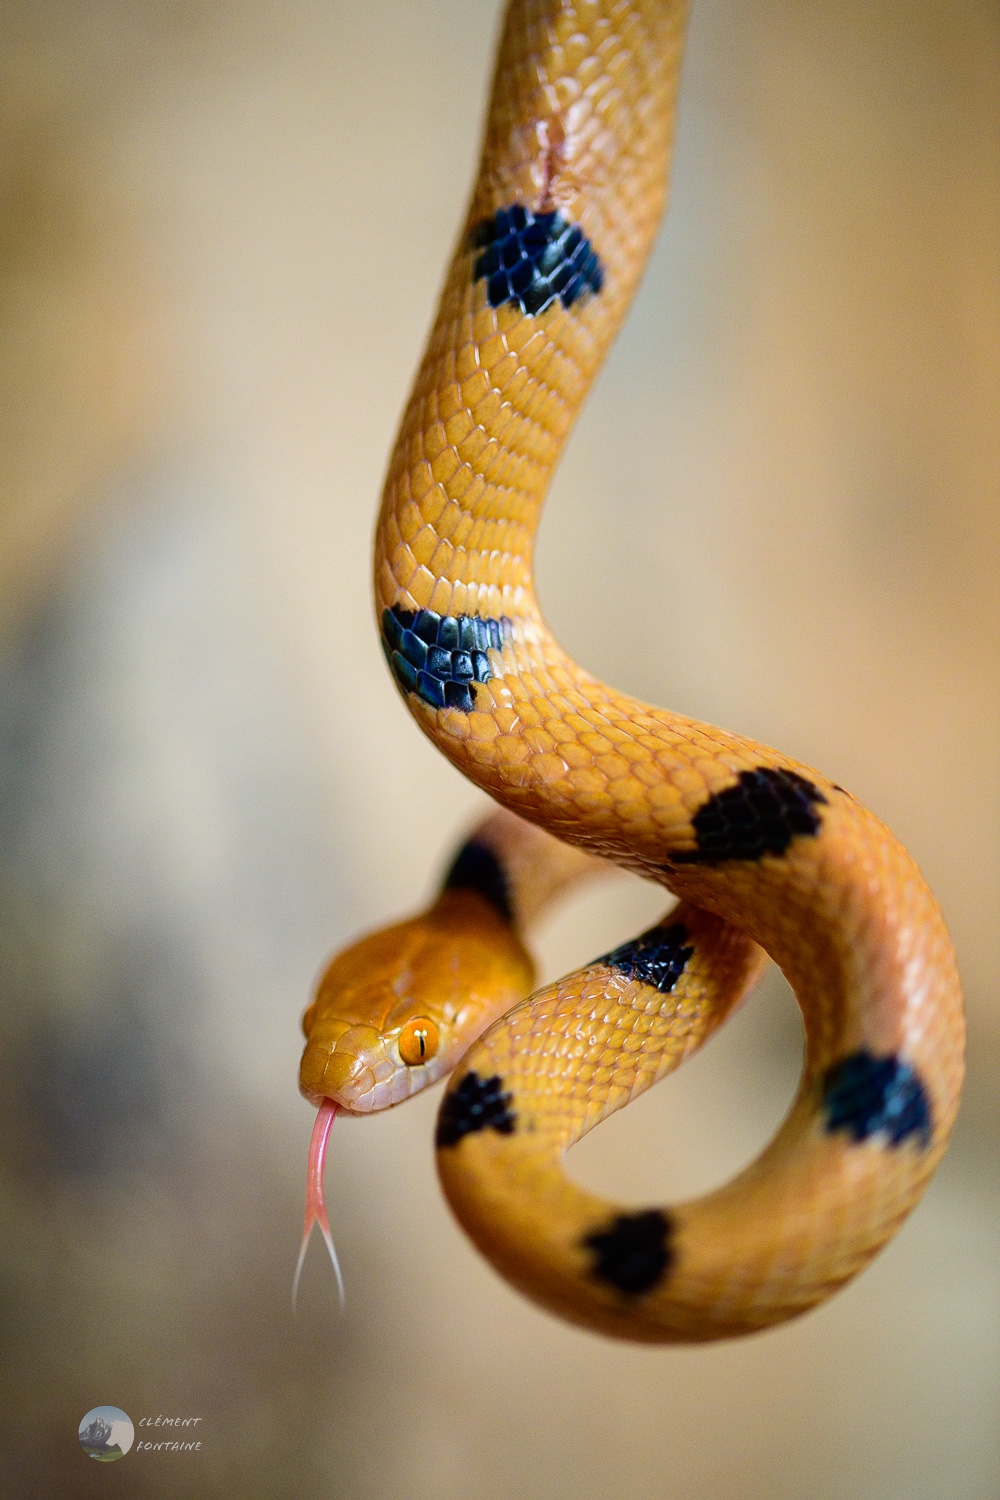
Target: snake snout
340	1068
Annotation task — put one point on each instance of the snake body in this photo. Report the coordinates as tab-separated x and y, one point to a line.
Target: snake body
764	853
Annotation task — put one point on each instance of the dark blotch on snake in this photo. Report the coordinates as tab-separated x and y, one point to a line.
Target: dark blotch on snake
760	815
477	868
441	657
657	958
633	1253
866	1095
531	259
476	1104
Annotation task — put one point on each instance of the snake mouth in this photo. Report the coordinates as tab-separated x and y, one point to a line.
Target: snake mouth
343	1110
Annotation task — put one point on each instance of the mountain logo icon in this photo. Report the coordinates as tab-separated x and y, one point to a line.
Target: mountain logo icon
106	1433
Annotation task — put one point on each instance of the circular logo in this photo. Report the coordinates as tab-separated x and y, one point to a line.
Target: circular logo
106	1433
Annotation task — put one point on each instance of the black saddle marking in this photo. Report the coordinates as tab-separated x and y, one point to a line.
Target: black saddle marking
441	657
761	814
633	1253
476	867
866	1095
530	259
657	958
476	1104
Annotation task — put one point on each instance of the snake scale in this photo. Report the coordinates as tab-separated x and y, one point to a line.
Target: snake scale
766	856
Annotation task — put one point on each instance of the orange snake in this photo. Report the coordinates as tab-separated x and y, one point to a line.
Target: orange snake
764	853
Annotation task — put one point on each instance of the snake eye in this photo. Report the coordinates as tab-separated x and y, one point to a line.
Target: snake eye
307	1019
418	1041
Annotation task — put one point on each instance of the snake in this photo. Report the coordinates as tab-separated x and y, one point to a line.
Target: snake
762	856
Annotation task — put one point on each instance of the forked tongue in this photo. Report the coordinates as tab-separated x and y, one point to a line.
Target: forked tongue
315	1202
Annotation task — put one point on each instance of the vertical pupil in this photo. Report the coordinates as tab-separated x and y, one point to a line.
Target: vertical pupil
418	1041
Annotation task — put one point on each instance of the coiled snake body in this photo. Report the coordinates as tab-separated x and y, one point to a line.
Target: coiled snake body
764	853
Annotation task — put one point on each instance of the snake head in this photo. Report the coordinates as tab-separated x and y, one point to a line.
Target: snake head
395	1011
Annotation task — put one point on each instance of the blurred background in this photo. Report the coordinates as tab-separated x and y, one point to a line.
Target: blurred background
222	231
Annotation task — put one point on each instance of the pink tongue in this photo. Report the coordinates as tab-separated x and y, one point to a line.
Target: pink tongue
315	1202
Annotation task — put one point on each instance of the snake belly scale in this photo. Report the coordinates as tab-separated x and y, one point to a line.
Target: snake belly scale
764	854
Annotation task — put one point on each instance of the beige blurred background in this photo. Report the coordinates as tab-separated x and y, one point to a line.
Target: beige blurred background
222	228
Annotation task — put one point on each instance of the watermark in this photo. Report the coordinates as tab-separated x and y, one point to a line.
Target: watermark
172	1443
106	1433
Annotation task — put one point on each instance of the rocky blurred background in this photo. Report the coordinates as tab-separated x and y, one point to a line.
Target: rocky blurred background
222	230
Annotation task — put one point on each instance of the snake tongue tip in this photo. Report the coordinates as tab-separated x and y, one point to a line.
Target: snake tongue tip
315	1212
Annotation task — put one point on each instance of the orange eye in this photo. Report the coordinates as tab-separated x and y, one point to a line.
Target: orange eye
418	1041
307	1019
